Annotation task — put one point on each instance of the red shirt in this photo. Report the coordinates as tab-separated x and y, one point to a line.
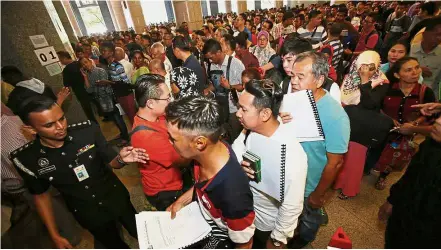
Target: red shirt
157	175
362	45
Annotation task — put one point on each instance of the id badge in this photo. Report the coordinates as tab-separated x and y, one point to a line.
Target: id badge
81	173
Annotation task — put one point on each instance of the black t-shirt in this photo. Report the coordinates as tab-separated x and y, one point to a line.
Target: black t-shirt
73	78
193	64
171	56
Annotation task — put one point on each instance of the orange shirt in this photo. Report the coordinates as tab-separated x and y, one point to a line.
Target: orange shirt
157	175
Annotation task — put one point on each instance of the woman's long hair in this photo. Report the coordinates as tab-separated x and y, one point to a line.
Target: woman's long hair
397	67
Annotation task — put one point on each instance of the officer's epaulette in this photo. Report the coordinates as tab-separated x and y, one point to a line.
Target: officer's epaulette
18	150
79	125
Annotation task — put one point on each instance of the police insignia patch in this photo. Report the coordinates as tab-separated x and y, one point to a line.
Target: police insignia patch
43	162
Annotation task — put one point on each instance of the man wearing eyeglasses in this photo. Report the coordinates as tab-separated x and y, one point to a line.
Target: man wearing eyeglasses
161	177
368	37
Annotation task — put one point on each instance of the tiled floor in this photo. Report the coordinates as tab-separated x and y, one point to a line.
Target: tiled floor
357	216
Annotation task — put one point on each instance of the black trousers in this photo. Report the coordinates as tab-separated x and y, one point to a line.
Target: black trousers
260	238
109	234
86	104
162	200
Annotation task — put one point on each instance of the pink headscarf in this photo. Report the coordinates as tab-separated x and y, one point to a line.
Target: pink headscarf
263	33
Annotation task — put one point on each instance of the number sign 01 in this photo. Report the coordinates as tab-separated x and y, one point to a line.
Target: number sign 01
46	55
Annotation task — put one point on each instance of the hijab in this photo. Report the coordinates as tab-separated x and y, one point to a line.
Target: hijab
185	79
351	84
263	54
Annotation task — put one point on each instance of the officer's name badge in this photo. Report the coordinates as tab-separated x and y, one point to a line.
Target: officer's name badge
85	148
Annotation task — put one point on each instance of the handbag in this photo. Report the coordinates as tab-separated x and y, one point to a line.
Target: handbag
397	154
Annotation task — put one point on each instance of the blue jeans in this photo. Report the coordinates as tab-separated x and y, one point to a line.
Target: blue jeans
309	222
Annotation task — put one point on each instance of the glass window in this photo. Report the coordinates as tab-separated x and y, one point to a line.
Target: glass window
154	11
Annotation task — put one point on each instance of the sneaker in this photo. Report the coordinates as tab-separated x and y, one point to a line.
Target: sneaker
297	243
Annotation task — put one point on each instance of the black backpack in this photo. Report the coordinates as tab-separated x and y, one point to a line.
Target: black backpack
379	44
139	128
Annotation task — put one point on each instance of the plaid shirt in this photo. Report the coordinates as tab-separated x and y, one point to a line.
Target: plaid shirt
102	93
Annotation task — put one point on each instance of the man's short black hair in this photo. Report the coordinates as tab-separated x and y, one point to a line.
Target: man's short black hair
212	46
335	29
295	45
243	15
429	7
37	103
199	32
431	23
230	40
86	45
12	75
374	16
147	87
267	94
270	24
181	43
182	31
79	49
146	37
196	115
313	13
219	20
343	10
287	15
241	39
64	54
107	45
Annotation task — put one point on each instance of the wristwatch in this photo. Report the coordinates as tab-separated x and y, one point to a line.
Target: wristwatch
276	243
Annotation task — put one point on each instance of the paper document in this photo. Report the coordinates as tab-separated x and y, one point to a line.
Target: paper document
306	121
272	154
158	230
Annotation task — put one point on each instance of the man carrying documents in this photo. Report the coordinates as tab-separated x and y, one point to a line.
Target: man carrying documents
275	161
222	188
325	155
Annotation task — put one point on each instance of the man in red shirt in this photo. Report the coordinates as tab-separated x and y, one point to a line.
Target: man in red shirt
368	37
161	176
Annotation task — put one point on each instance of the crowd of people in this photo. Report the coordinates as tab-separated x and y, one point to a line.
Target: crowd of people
192	98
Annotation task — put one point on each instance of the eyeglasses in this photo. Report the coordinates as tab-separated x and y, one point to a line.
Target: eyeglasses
168	99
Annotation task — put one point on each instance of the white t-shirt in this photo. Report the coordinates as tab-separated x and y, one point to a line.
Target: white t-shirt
280	218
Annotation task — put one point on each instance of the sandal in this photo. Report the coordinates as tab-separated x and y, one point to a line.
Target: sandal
381	183
342	196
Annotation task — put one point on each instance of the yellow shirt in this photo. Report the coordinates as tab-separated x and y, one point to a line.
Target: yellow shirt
6	89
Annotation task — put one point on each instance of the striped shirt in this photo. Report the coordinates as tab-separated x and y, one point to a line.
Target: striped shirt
316	36
12	138
226	202
335	53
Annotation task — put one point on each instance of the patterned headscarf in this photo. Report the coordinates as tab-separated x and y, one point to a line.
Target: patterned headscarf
263	54
185	79
351	84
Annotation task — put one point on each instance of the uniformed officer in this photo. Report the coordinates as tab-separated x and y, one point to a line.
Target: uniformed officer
73	159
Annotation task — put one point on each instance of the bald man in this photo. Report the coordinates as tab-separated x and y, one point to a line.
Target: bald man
156	66
120	55
158	52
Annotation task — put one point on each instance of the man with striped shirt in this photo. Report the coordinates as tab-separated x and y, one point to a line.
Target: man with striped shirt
314	31
221	186
333	49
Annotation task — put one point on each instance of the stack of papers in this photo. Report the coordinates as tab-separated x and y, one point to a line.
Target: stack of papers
158	230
